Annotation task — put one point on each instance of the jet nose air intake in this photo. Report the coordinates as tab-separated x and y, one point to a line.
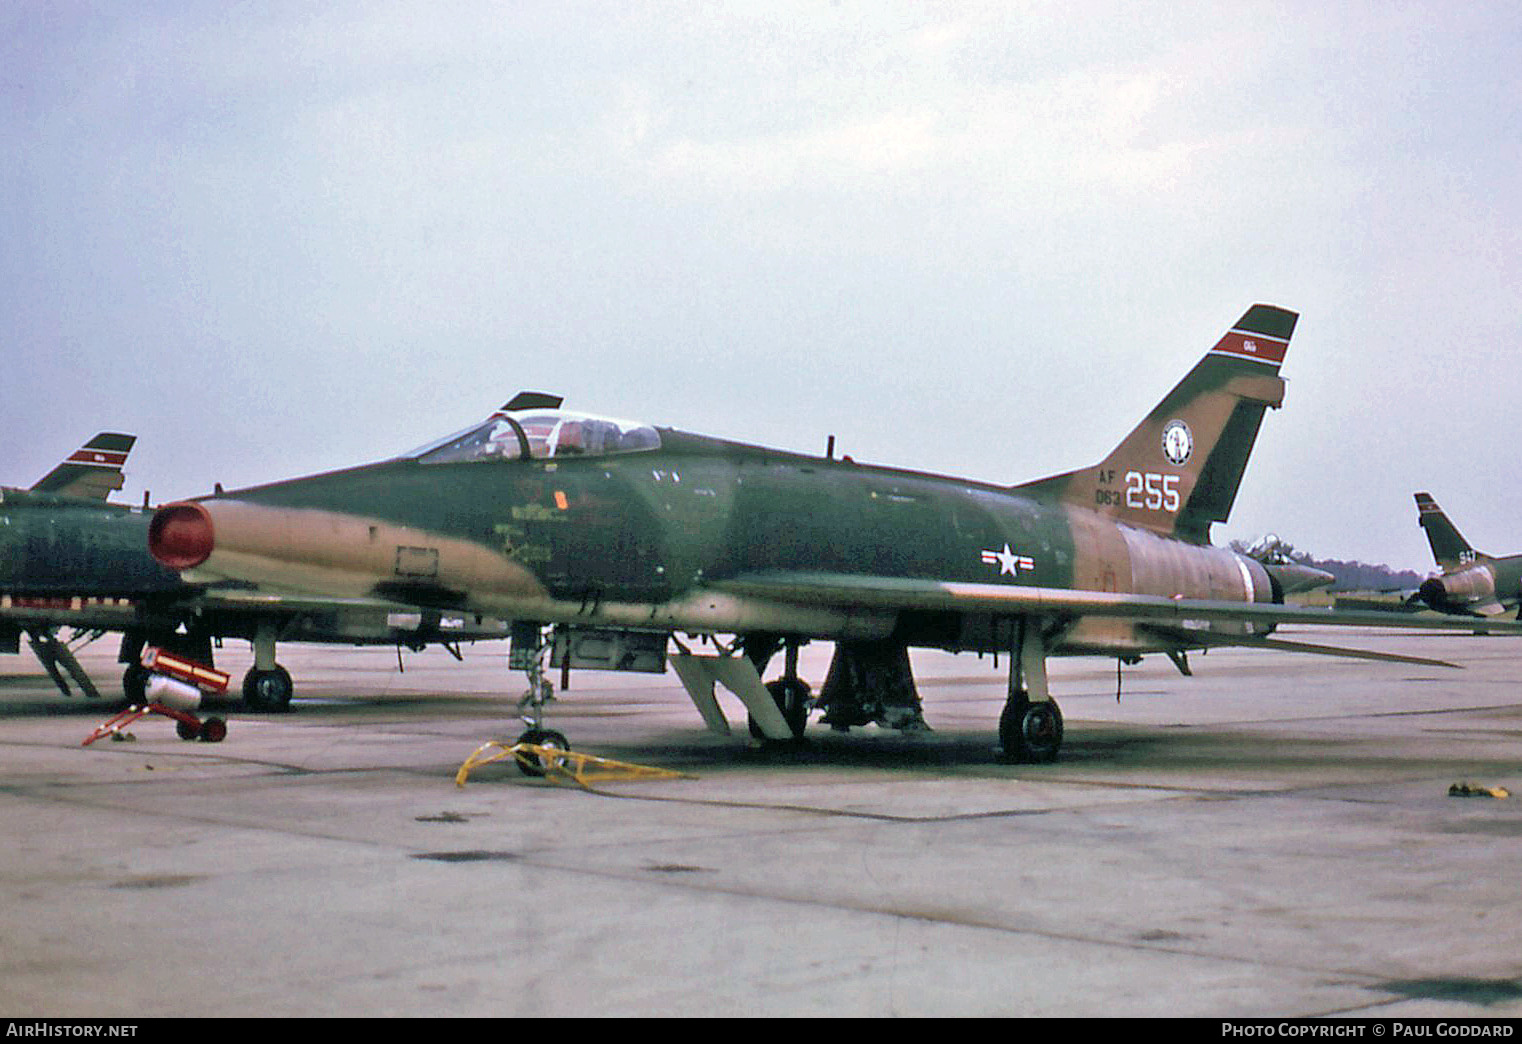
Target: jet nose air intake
179	536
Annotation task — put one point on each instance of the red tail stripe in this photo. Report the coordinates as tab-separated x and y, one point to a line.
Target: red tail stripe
1254	346
104	457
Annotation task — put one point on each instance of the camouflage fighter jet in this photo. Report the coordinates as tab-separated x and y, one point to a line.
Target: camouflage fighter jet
57	531
1470	582
69	558
615	537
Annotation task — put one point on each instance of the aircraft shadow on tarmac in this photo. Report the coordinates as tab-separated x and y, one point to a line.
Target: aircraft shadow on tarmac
1270	753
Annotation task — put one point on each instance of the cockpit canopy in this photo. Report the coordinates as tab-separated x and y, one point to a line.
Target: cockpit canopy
534	433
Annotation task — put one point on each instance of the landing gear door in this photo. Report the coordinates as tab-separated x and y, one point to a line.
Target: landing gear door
608	650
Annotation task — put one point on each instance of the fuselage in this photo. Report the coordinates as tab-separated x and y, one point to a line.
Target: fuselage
647	539
54	546
86	564
1485	586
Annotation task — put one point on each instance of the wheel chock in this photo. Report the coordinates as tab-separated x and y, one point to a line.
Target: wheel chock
558	764
1475	790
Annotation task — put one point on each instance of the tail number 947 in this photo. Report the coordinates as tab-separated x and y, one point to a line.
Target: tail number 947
1151	491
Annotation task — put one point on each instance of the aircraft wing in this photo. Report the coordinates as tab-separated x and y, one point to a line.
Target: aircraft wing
315	618
246	599
121	613
73	611
360	621
878	592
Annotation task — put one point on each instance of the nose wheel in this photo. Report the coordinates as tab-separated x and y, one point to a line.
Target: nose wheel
549	741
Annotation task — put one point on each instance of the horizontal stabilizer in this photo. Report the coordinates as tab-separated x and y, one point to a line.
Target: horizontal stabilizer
1193	637
1406	603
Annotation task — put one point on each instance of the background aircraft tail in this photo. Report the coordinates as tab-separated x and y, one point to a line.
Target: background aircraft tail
94	471
1449	548
1180	469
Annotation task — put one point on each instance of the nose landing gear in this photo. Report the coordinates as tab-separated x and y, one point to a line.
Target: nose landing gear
541	691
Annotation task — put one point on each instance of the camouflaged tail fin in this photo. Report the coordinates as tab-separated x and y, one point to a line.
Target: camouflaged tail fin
94	471
1449	548
1179	470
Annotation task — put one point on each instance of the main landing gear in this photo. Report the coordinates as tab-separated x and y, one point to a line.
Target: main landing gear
790	693
869	683
267	686
268	690
873	683
1030	726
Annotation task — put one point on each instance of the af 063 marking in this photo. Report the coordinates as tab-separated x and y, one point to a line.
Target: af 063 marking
1151	491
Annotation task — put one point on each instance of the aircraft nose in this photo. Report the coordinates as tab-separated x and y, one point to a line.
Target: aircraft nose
180	535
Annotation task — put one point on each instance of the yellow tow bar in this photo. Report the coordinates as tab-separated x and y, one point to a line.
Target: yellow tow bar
558	764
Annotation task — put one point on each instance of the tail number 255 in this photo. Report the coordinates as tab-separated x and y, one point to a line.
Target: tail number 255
1152	491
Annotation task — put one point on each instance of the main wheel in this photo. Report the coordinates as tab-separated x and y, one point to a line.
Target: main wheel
135	684
1031	731
531	764
268	690
792	699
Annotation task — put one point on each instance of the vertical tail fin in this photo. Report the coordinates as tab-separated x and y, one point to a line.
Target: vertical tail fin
94	471
1449	548
1180	469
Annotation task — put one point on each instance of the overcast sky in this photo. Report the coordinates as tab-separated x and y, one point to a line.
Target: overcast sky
978	239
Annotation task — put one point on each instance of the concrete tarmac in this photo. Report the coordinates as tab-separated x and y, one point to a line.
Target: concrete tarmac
1272	837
